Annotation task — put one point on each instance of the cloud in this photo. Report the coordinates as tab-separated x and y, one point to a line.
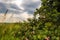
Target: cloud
2	7
21	5
12	8
21	9
23	16
6	1
30	5
15	17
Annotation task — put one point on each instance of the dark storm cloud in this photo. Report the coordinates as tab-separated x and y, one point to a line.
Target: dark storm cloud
30	6
14	6
4	7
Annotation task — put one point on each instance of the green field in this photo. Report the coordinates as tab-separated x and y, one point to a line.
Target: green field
27	31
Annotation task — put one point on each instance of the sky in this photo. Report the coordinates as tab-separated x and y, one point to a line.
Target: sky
18	9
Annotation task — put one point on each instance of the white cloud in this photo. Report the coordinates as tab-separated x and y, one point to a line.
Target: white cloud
23	16
35	0
15	17
17	2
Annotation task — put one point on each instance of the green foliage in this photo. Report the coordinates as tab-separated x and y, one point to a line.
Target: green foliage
48	18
